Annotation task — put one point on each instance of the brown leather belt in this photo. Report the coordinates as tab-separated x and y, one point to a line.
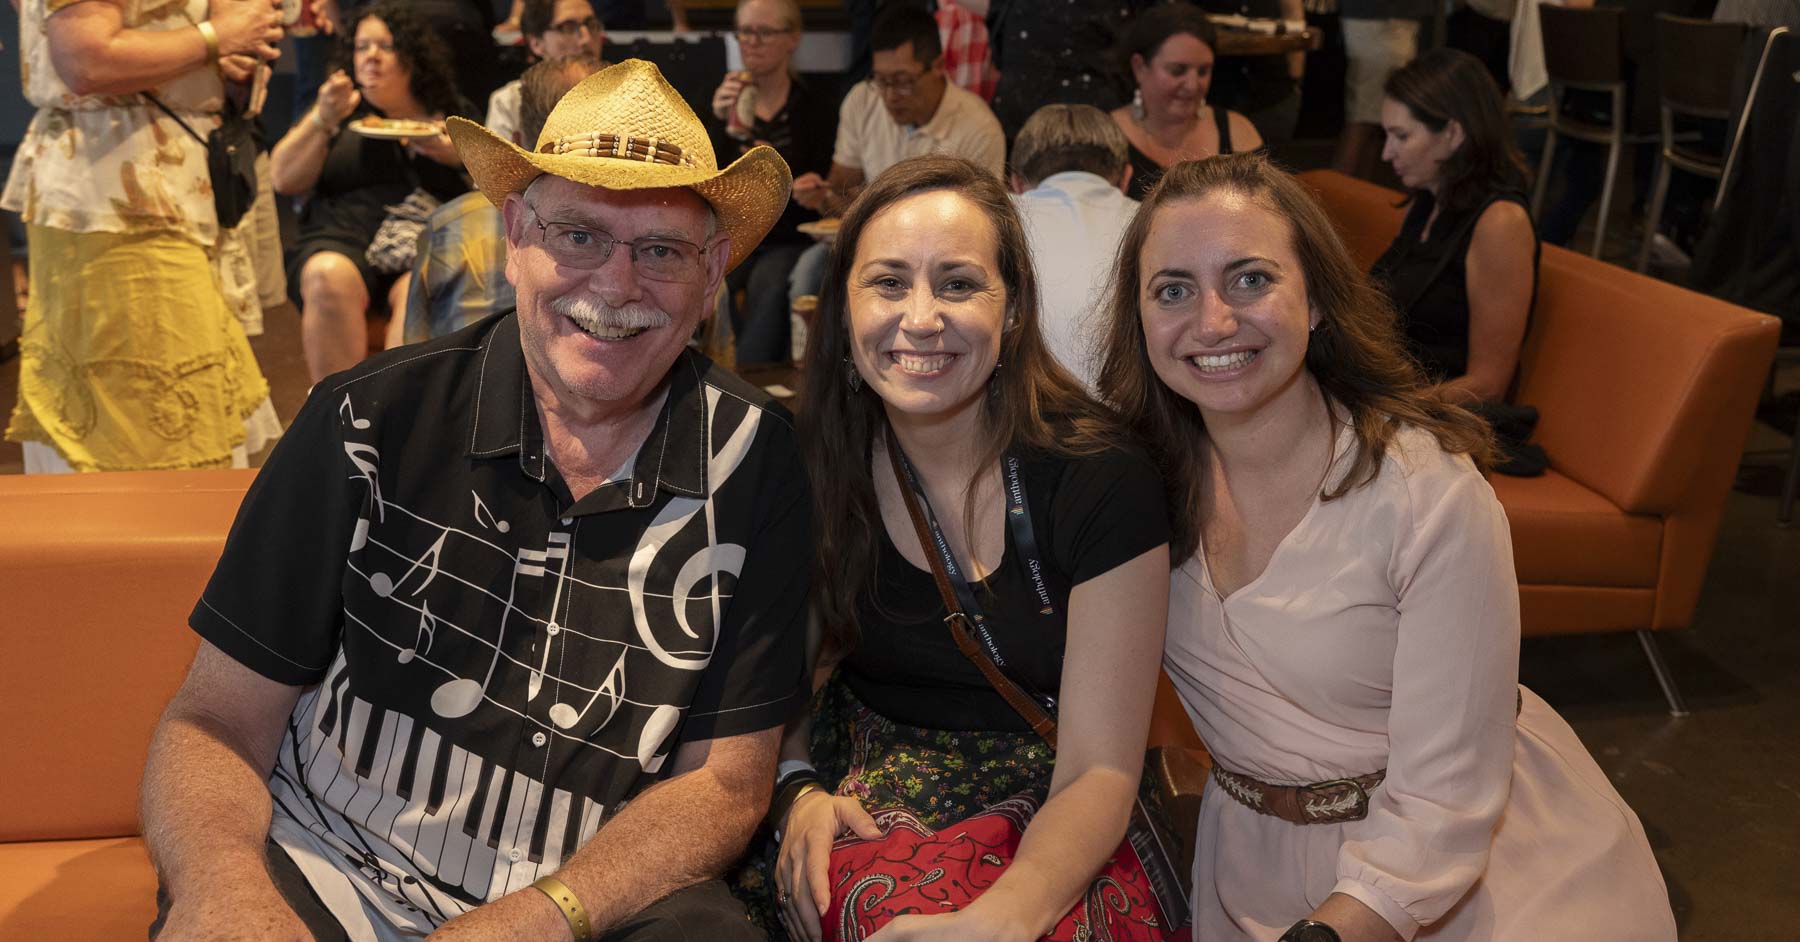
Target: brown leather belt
1333	802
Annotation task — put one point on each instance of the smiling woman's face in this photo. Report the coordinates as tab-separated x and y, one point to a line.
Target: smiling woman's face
927	304
1224	305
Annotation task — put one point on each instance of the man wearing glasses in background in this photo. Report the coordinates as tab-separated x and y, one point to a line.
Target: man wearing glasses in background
504	635
552	29
906	108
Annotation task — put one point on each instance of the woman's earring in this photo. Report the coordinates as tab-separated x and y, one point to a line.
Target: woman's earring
1137	105
851	376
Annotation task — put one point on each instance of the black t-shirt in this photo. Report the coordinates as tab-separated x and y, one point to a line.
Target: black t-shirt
362	176
1089	515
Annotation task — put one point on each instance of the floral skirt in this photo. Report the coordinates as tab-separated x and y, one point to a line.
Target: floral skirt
131	359
940	776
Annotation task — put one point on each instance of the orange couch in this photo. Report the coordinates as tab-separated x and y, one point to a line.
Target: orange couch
1646	393
97	575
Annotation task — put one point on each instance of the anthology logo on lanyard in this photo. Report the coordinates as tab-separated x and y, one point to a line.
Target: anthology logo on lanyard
1018	520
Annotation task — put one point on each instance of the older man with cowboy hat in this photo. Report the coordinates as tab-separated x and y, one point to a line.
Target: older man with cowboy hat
505	632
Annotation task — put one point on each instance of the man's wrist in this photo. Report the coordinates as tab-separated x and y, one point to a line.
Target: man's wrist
318	119
211	35
581	928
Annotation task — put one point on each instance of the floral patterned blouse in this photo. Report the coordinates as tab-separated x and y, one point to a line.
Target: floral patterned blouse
114	163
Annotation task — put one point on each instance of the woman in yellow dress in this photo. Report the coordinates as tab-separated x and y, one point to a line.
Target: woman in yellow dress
132	359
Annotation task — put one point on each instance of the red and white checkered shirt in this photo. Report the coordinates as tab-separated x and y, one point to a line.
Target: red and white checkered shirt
966	57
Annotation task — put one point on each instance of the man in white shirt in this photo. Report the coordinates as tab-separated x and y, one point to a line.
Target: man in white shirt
907	108
552	29
1070	169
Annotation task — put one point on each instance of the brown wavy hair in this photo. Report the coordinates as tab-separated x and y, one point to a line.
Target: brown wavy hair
1356	354
1445	85
1033	403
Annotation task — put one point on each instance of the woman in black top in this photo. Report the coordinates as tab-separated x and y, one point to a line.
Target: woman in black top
1463	271
1170	50
927	340
799	120
400	71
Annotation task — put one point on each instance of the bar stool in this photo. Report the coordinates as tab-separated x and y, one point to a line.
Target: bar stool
1584	50
1697	64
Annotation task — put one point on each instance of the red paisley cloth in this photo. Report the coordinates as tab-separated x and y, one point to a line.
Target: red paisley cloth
915	870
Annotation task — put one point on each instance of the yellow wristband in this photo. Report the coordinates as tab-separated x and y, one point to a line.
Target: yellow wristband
212	40
572	910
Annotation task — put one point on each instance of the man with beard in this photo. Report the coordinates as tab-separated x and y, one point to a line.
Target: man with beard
505	632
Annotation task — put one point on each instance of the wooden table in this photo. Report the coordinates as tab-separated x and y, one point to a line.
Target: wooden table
1243	42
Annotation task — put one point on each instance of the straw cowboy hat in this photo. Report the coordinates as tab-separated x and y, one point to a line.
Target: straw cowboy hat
625	128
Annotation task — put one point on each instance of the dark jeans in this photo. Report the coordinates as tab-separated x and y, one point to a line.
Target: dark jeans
762	326
705	912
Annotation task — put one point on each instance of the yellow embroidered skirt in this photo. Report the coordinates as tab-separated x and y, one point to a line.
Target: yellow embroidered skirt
130	358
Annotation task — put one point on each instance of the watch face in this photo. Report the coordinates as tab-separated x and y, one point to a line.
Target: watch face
1310	931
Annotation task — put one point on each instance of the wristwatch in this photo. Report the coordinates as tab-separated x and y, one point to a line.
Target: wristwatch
1307	930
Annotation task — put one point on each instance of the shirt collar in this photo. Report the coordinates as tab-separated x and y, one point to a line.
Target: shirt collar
505	423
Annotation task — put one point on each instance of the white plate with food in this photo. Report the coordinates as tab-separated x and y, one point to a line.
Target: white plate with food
822	229
394	129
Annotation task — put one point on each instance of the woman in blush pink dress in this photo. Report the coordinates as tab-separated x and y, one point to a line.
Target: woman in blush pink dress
1343	618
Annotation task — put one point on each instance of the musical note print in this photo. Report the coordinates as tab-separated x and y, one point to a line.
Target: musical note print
613	688
384	586
427	630
458	697
557	549
481	511
346	412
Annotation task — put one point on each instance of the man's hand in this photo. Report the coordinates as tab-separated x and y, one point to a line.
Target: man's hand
248	28
326	15
811	191
237	68
521	914
239	914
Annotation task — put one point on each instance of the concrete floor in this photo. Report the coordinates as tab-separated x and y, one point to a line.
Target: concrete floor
1718	791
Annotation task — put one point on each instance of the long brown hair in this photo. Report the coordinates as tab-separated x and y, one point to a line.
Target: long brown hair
1445	85
1356	354
1032	402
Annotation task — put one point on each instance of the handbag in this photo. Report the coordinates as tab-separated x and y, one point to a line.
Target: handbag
230	160
396	241
1139	893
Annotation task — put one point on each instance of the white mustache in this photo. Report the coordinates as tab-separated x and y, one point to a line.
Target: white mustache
594	316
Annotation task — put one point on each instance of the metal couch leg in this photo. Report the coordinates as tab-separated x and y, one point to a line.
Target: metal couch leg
1677	706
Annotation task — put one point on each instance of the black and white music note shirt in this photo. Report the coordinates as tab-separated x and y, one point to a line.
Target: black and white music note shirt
492	667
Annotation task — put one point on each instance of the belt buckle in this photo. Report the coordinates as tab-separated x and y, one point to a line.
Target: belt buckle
1335	809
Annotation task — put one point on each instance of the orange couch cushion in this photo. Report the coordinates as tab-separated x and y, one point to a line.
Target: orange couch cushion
101	572
76	891
1565	534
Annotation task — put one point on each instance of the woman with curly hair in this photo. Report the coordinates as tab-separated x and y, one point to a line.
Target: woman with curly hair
1344	618
399	71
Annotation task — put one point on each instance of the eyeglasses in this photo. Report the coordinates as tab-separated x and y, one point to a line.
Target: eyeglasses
657	258
573	28
902	84
759	34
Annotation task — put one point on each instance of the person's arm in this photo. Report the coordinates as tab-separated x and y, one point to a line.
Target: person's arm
831	195
95	54
205	802
1452	713
299	157
1244	136
679	832
1115	641
1499	278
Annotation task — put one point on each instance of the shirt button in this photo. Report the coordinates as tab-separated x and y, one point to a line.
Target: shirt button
538	739
515	855
553	630
567	520
1023	34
